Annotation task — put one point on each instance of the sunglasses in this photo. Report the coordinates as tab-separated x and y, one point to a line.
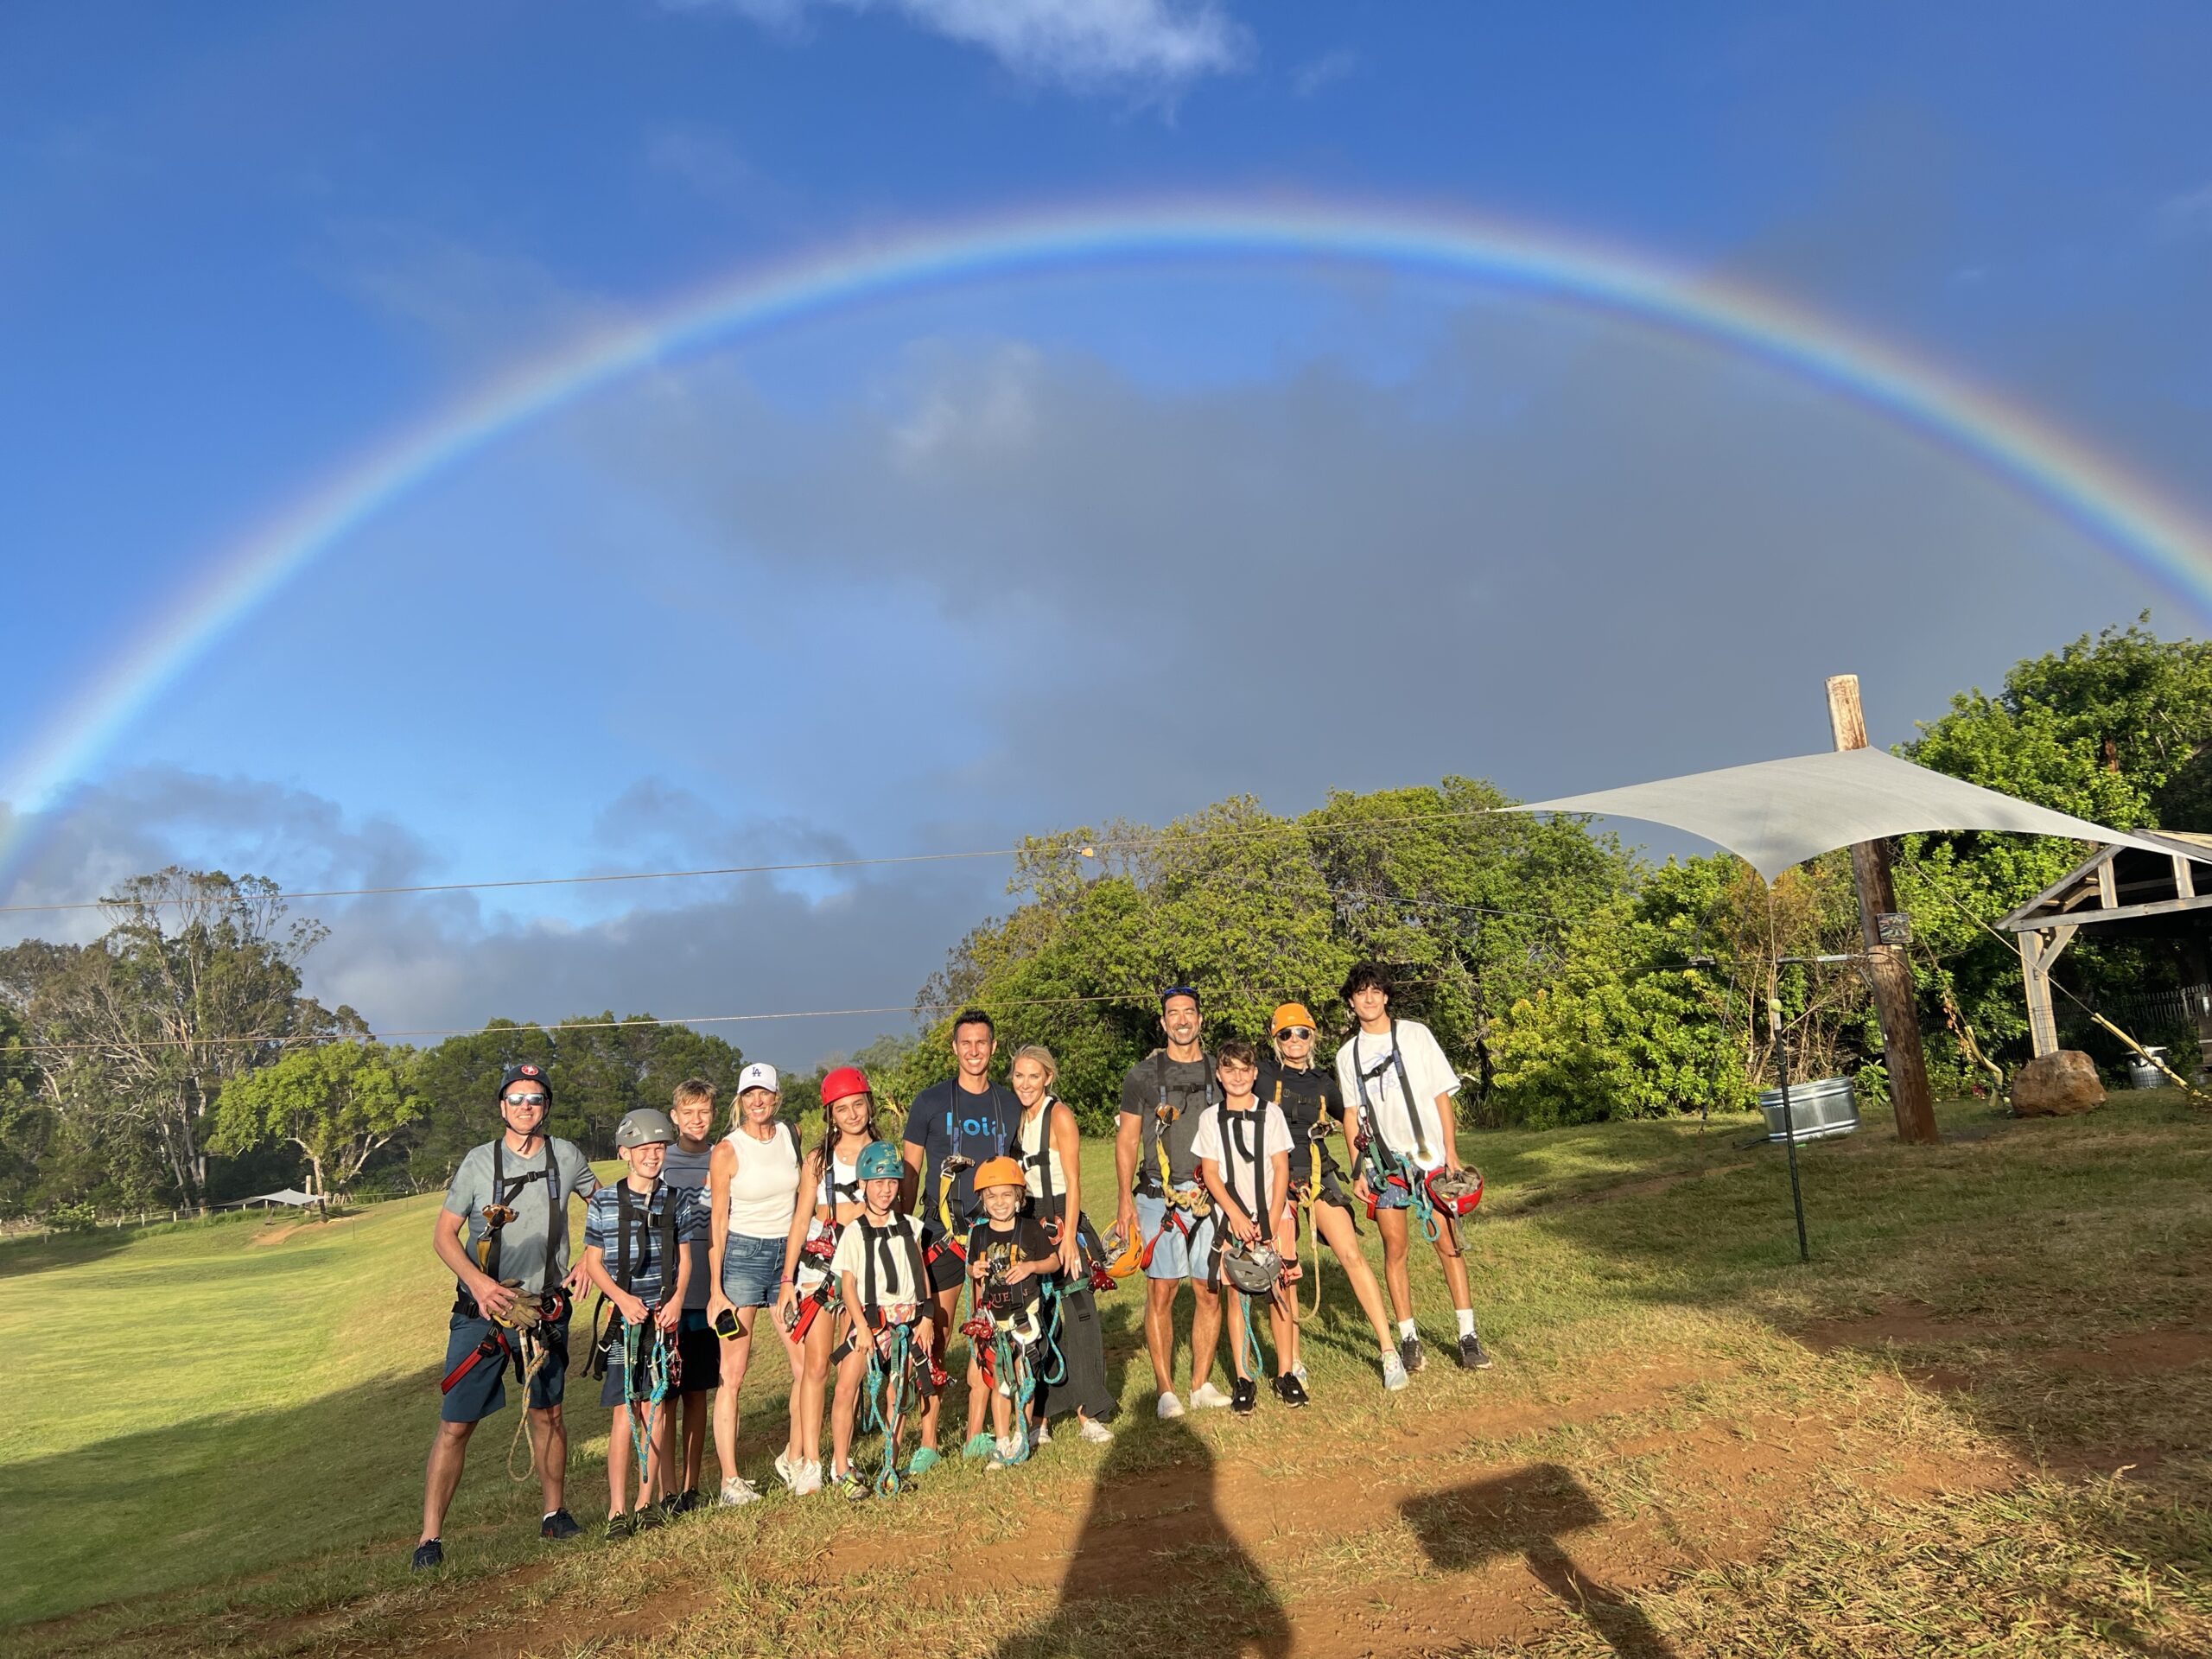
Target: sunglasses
526	1100
1304	1034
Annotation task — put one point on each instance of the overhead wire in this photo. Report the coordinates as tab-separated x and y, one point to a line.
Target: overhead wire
1089	847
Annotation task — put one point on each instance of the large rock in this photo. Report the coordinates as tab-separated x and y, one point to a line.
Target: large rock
2055	1085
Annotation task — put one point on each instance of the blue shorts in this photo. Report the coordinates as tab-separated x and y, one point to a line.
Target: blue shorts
484	1390
1175	1257
752	1270
1388	1195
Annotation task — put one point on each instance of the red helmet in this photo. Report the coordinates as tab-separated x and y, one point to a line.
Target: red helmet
845	1080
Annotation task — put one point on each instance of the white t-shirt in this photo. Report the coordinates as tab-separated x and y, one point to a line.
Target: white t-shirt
764	1187
1427	1069
1212	1141
894	1260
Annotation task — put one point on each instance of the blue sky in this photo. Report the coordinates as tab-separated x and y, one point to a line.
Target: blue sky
1004	558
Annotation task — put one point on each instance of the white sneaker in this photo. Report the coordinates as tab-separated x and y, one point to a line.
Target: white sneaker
1095	1433
1299	1371
737	1491
1043	1436
1170	1405
784	1467
806	1479
1393	1373
1208	1397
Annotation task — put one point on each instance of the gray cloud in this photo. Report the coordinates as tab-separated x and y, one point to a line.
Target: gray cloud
1560	557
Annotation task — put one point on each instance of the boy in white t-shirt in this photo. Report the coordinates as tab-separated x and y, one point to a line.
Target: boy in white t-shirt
1397	1088
878	1265
1243	1152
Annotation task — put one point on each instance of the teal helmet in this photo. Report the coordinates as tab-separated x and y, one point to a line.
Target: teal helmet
879	1161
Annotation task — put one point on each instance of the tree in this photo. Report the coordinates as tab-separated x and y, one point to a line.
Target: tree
337	1102
195	984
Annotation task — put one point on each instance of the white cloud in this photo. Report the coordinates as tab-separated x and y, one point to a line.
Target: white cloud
1159	45
1311	77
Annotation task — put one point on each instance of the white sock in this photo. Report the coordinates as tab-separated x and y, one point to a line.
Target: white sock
1466	1321
1406	1328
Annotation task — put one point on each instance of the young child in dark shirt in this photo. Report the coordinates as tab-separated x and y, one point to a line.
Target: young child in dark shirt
1009	1255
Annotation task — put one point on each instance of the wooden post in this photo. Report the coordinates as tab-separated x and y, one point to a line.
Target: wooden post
1888	968
2039	948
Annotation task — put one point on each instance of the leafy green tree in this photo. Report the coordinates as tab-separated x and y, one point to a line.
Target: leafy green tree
195	984
337	1102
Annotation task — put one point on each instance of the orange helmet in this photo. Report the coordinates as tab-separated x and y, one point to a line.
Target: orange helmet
1290	1013
999	1172
1134	1257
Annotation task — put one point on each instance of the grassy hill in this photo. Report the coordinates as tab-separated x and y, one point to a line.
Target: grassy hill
227	1423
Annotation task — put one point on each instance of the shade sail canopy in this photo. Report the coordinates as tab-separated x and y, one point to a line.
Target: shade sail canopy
1777	813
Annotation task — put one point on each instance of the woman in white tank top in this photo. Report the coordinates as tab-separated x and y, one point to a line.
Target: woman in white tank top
753	1187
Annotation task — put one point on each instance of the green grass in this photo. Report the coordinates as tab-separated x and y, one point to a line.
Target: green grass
222	1438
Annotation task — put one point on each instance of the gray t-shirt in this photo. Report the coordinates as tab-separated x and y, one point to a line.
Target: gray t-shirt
680	1169
522	1241
1188	1085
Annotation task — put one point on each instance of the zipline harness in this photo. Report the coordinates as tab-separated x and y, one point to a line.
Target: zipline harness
1386	1166
892	1387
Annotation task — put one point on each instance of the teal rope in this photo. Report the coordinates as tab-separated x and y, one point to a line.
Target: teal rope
888	1406
1423	1206
1248	1339
655	1360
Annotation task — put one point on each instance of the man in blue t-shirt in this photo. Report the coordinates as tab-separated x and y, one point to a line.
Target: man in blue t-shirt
953	1127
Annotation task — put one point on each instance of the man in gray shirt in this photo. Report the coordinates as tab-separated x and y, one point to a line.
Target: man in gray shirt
503	1231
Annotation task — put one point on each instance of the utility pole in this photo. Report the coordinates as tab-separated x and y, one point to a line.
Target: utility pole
1880	933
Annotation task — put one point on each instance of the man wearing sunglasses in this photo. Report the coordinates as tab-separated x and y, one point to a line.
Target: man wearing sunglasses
1162	1203
1308	1099
504	1233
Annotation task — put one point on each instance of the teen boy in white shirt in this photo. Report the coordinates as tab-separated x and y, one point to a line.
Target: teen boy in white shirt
1397	1087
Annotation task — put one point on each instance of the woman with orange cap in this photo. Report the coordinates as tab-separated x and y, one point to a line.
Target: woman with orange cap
1292	1082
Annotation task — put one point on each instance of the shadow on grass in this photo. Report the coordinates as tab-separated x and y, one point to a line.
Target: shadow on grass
223	1505
1525	1514
1125	1568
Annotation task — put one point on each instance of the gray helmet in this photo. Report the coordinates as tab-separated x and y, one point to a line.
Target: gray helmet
644	1127
1255	1270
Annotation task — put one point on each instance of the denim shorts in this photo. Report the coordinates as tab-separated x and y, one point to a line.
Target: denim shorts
484	1390
1174	1256
753	1270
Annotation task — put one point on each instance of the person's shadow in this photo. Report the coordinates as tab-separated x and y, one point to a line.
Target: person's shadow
1524	1513
1153	1536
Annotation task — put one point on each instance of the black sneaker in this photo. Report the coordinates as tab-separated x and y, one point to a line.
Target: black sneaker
559	1525
1290	1390
620	1527
685	1502
649	1516
427	1556
1409	1354
1244	1397
1472	1357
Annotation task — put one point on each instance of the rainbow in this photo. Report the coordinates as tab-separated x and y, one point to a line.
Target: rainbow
2090	491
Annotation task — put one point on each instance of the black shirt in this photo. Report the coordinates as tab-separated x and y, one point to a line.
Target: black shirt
1025	1241
1307	1097
945	1119
1188	1088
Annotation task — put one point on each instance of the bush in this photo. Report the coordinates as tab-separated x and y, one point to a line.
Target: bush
78	1218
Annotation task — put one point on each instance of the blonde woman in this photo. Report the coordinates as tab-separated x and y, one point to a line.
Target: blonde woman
1050	1152
753	1182
807	1302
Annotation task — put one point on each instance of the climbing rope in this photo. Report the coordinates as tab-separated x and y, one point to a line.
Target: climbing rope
644	1344
888	1383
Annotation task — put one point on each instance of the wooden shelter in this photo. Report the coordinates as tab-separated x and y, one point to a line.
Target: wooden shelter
2127	892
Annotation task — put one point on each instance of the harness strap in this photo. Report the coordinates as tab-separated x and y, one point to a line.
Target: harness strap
1363	1076
505	1191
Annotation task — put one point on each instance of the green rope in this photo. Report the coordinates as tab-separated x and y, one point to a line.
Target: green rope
655	1360
1247	1339
888	1380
